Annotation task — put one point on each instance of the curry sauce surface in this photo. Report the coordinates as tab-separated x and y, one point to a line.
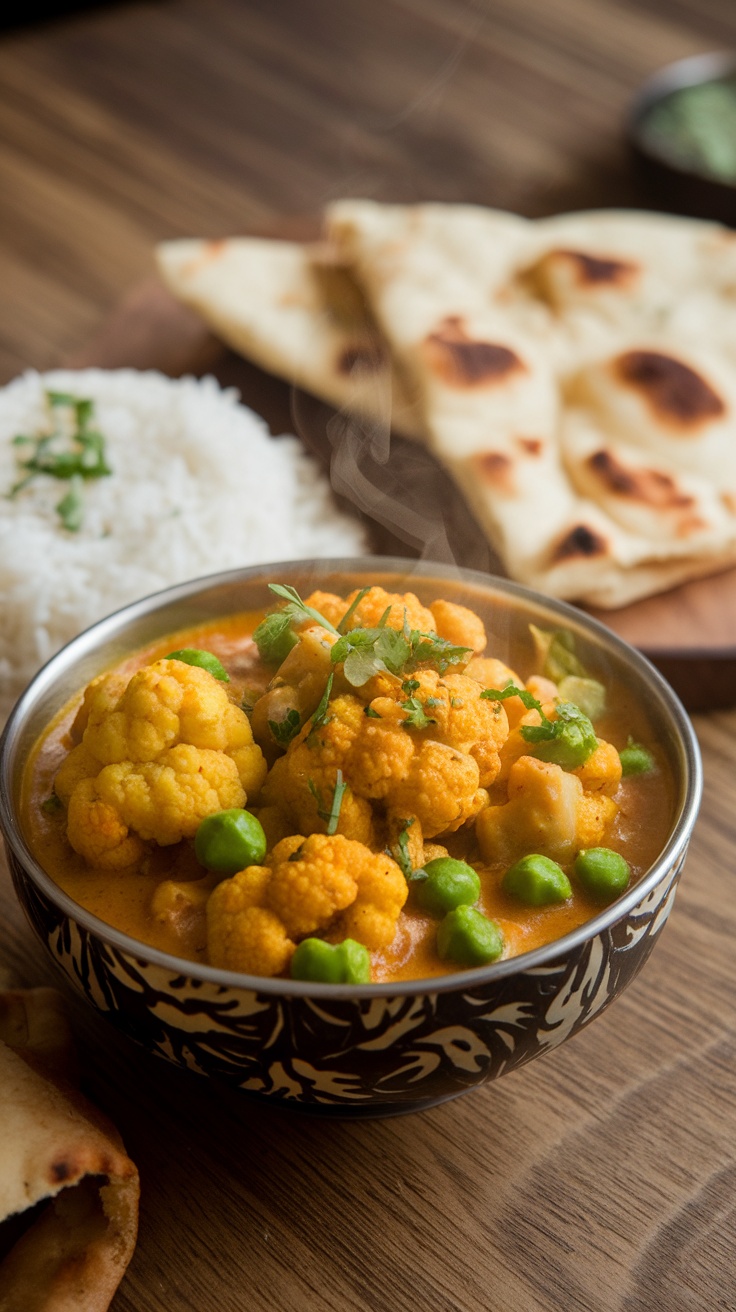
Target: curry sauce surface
123	900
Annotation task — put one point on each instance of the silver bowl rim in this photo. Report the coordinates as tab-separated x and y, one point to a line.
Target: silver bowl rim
462	981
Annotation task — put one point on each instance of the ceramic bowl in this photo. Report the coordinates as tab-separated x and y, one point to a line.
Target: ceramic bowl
672	184
376	1049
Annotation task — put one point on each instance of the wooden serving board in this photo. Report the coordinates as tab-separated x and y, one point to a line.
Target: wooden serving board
688	632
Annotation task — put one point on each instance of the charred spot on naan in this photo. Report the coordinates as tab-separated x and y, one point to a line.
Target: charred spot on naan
580	542
560	273
675	392
531	446
462	361
651	486
496	470
362	358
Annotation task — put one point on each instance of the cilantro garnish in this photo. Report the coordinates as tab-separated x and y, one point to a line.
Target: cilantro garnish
284	730
410	685
71	507
511	690
416	716
429	649
332	816
372	715
52	805
320	716
70	451
297	609
342	626
366	652
401	855
567	741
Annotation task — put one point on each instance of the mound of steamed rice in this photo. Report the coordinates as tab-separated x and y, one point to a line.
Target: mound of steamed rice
198	485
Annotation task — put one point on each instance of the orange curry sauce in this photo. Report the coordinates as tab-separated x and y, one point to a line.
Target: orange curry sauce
123	900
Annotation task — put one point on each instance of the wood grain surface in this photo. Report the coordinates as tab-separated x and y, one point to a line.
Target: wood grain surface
603	1177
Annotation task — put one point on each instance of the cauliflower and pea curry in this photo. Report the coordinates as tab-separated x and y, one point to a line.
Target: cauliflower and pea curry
347	790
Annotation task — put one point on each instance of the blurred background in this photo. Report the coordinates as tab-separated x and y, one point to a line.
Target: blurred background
123	124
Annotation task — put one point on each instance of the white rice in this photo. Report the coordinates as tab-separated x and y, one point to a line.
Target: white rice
198	485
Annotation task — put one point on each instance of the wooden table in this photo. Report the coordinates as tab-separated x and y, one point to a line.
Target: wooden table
603	1178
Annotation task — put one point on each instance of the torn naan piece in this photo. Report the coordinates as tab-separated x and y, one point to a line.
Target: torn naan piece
68	1191
499	411
294	311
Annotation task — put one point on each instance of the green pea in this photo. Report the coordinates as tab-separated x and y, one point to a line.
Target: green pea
348	962
229	841
603	873
537	880
204	659
449	884
635	759
468	937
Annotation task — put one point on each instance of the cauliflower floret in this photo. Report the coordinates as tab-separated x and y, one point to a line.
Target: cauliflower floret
547	812
441	788
436	773
327	604
319	884
325	876
161	801
100	696
457	715
98	832
458	625
302	783
79	764
376	601
242	934
154	763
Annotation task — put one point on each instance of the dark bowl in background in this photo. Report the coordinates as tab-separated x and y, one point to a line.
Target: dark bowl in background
671	184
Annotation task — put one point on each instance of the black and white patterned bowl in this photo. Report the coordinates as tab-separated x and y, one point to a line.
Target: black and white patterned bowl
377	1049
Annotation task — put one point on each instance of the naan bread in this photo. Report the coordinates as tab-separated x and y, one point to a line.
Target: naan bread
58	1150
557	386
294	311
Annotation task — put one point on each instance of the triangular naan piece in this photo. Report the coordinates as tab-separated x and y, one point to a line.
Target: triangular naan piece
295	312
565	452
62	1164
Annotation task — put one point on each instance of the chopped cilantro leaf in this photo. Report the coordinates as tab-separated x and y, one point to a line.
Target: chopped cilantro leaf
567	741
71	507
70	451
416	716
402	858
511	690
331	817
342	626
52	805
320	716
284	730
372	715
297	609
429	649
410	685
